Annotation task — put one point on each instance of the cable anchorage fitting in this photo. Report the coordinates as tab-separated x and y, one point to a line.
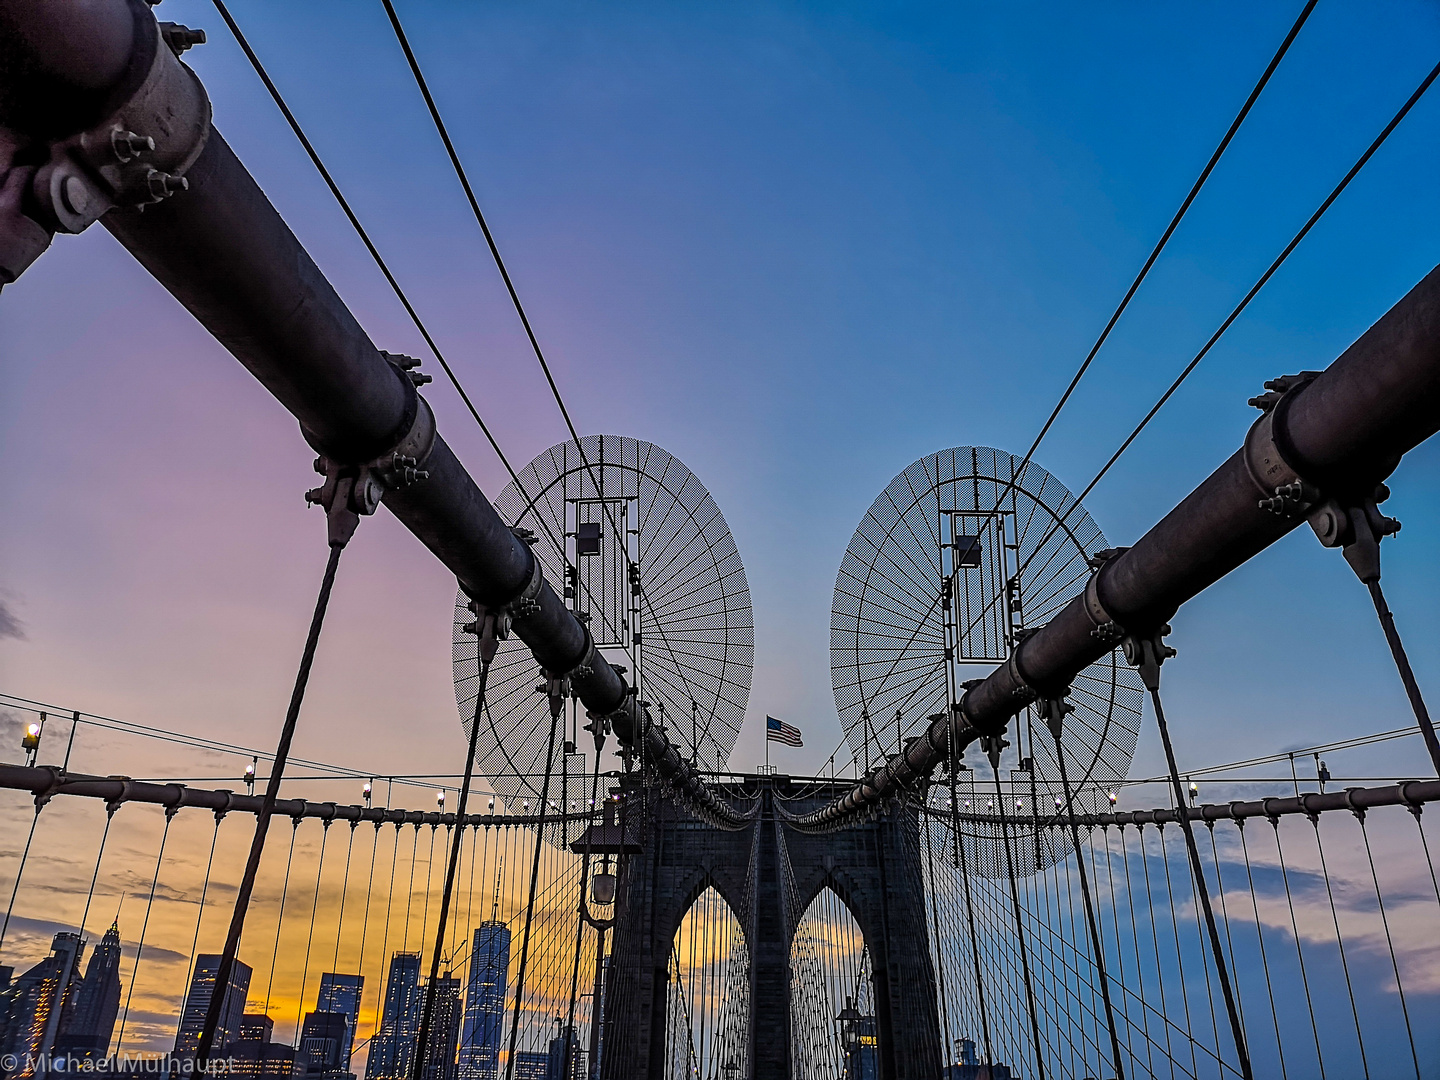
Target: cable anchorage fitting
354	490
1347	520
1147	653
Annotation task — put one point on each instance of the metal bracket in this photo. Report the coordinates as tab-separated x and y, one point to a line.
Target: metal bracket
1053	711
1147	654
992	745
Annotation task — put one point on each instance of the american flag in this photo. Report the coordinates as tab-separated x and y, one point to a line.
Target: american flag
779	731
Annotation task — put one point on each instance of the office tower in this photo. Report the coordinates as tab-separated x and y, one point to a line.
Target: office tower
322	1046
444	1032
197	1004
341	994
253	1055
40	1000
86	1034
566	1044
531	1064
393	1047
485	1002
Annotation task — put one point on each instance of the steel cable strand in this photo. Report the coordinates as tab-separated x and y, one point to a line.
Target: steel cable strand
199	912
1225	918
1340	944
1179	957
344	895
1155	945
1407	675
1260	940
20	871
1299	951
428	1009
1119	947
1135	940
1095	943
272	792
1249	296
1389	941
929	859
1151	674
494	249
310	936
579	931
1205	968
385	933
1140	277
530	906
280	917
170	812
1020	932
110	809
961	860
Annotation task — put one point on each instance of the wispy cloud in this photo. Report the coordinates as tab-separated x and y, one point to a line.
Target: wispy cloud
10	624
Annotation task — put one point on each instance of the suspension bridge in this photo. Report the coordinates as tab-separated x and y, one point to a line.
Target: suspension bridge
982	890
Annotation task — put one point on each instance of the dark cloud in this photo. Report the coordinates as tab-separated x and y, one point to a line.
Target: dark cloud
10	624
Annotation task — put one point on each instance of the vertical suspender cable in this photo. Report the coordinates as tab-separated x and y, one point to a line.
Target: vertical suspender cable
170	812
199	913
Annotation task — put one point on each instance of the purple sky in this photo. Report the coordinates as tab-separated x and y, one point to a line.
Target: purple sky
798	247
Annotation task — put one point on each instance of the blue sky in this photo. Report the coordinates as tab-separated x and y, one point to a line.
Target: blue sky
798	247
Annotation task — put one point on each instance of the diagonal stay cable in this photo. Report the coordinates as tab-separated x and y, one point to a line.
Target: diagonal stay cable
364	236
1141	276
480	220
1155	252
1254	290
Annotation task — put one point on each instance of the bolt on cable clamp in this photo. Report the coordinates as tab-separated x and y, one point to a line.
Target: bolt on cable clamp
1106	629
139	154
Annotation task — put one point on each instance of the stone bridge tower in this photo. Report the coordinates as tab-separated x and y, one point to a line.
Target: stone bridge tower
768	873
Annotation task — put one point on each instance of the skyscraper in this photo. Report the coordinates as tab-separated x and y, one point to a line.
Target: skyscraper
341	994
322	1046
40	1001
444	1030
485	1002
197	1004
565	1045
86	1033
254	1056
393	1047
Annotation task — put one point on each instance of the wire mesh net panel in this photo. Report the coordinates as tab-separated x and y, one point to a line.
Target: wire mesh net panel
959	553
644	555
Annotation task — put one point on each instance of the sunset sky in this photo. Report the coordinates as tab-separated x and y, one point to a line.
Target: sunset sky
798	246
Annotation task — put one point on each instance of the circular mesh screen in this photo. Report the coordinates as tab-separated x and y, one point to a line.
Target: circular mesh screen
960	553
653	567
